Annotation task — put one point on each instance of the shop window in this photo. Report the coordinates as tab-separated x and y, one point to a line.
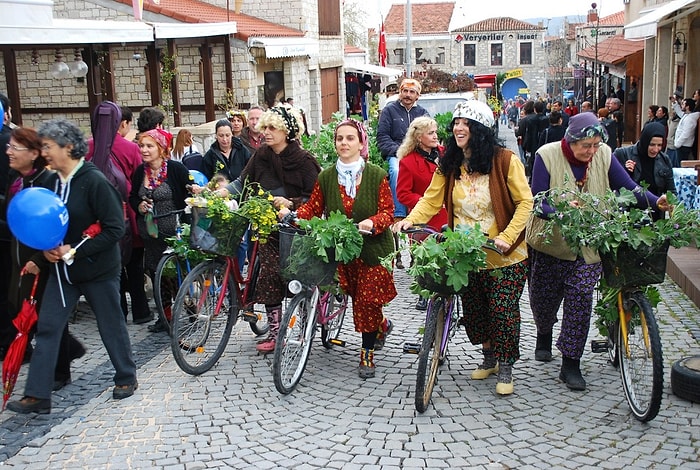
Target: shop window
469	55
525	53
497	54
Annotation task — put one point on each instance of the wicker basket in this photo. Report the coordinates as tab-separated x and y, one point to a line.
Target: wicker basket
211	237
310	270
643	266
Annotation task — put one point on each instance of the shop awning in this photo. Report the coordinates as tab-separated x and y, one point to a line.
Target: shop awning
646	25
64	31
193	30
371	69
285	47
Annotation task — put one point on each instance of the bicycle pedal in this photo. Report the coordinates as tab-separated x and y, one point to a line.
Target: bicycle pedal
250	317
411	348
599	345
337	342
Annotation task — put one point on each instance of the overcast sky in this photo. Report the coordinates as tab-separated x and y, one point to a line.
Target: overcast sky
476	10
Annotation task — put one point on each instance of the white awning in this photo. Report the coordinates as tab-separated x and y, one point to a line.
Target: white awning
285	47
371	69
646	25
64	31
193	30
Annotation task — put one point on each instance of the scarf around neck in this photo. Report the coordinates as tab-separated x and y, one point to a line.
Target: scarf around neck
348	173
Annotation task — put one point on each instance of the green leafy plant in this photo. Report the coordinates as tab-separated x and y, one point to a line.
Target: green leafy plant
605	222
445	264
443	121
605	309
183	250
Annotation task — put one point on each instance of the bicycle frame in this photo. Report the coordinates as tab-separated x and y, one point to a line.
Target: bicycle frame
232	268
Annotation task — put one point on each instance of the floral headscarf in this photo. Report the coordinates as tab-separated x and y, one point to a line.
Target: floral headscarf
364	151
163	138
584	126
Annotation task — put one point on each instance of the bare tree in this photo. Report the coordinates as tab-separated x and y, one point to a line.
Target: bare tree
354	24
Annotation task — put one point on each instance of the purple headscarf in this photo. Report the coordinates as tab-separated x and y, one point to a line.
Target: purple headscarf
584	126
364	151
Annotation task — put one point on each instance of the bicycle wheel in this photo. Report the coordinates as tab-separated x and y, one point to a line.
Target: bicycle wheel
331	329
641	362
259	327
166	284
429	356
613	355
200	333
294	339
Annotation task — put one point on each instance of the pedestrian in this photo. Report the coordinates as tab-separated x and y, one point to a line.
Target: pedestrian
686	130
646	162
571	108
555	131
238	122
581	162
671	151
93	273
360	190
651	113
251	136
418	156
158	187
482	183
184	146
227	154
610	127
282	167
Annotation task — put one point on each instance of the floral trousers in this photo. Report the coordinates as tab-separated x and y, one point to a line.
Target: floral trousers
492	309
553	280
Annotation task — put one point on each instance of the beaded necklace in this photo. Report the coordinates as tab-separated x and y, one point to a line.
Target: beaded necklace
156	180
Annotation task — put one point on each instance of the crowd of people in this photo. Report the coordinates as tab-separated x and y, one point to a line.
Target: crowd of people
123	185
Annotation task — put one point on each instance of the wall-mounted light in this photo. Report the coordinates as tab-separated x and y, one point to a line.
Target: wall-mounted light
78	68
59	69
678	46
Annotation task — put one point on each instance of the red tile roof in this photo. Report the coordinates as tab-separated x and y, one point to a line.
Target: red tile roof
194	11
426	18
499	24
350	49
616	19
613	50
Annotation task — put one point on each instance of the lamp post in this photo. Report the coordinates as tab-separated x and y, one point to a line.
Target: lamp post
594	18
409	28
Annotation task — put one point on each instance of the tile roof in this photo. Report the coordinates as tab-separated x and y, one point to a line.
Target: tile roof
613	50
499	24
350	49
194	11
616	19
425	18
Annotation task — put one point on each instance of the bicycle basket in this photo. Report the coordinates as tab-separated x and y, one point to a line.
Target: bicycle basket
629	268
215	237
298	259
437	282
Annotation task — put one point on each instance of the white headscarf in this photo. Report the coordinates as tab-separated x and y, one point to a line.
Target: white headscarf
348	173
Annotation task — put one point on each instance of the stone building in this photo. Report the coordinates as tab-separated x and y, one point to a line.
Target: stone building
219	58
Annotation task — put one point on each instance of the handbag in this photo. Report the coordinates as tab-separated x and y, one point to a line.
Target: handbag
151	225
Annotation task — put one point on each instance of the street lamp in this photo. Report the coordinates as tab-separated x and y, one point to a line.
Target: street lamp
678	46
593	17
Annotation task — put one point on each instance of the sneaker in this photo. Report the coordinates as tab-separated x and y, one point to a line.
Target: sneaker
382	334
124	391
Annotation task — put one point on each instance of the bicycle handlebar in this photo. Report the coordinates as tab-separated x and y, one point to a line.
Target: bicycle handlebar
423	228
167	214
292	219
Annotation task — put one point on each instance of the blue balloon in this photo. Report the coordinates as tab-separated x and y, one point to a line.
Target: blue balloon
38	218
199	178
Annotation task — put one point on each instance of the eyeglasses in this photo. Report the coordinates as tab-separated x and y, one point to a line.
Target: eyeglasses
591	146
15	148
46	147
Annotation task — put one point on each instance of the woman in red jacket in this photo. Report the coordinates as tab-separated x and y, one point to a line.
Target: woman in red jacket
418	157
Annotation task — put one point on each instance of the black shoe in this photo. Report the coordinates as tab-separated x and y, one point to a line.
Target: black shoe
77	350
58	384
543	347
142	320
570	374
31	405
124	391
422	304
157	327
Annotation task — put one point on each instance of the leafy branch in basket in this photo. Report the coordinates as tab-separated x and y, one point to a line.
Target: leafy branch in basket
181	247
604	222
449	261
605	309
336	232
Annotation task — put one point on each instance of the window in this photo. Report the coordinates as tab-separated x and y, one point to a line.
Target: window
469	55
497	54
440	57
328	18
397	57
525	53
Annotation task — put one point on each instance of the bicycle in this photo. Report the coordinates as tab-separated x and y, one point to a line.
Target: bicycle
172	268
633	342
309	308
210	300
441	323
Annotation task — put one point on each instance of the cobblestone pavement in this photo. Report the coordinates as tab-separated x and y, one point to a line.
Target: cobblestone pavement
233	417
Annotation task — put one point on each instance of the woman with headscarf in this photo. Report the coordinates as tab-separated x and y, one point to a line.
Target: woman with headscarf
158	186
481	182
282	167
361	191
580	162
646	162
90	270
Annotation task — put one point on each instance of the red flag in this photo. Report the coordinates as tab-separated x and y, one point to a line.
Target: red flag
382	47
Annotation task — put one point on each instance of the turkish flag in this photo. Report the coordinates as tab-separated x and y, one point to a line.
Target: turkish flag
382	47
